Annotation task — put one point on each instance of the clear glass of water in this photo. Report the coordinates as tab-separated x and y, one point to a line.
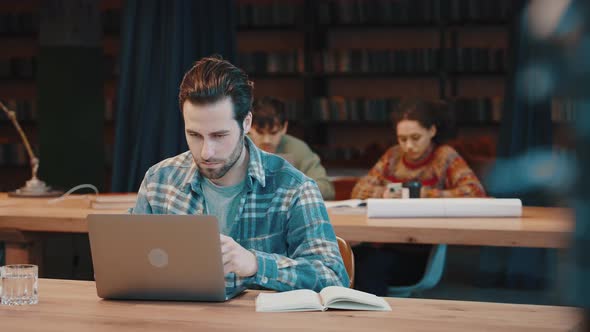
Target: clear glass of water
19	284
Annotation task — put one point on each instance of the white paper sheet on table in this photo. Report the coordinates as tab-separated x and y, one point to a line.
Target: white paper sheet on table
351	203
443	207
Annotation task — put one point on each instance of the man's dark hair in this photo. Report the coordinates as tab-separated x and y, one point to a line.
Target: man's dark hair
427	113
268	112
212	79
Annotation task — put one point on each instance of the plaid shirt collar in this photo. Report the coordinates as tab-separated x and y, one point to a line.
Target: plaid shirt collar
255	169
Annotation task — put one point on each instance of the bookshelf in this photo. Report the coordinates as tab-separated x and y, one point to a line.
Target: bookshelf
355	59
271	43
19	26
340	66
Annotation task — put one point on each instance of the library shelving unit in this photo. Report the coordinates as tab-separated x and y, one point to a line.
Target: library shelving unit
19	30
343	66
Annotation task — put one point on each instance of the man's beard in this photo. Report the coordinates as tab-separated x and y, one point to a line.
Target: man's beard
214	174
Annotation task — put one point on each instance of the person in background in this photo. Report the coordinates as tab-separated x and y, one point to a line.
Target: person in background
421	127
274	227
270	134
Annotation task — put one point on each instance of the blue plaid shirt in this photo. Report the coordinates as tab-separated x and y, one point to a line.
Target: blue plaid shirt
281	219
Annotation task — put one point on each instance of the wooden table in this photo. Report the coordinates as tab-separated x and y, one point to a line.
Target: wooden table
540	227
66	305
24	221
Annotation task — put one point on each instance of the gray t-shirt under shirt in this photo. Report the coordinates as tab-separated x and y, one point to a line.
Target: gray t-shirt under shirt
223	202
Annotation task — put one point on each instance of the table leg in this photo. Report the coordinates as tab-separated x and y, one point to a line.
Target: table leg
22	247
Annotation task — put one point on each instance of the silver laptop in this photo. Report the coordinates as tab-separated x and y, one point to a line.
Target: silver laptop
158	257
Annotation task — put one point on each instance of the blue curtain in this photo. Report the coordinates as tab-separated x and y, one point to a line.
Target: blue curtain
160	41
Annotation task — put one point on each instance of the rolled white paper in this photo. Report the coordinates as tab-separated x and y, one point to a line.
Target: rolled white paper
443	207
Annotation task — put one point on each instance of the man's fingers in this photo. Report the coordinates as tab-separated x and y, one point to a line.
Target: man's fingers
225	259
225	248
229	266
224	239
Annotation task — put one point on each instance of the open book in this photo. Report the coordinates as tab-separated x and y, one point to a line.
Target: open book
355	202
333	297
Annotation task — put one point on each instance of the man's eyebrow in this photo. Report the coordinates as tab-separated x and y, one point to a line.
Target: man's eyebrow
220	132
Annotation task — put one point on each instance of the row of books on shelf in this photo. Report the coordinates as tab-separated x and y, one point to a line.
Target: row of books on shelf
293	109
398	12
27	23
18	68
475	59
273	62
565	110
381	12
363	61
480	10
468	111
477	111
340	109
411	60
423	60
275	12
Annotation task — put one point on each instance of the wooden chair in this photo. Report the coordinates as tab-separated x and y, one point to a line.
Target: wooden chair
343	187
348	258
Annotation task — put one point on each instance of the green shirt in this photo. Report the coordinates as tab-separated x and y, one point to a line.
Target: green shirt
222	202
300	155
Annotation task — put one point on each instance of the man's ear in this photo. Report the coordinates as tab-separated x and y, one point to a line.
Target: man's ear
247	123
285	126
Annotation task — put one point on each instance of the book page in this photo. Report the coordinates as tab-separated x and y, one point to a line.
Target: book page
296	300
336	297
345	203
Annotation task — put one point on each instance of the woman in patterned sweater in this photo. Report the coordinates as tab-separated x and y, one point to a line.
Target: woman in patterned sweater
419	156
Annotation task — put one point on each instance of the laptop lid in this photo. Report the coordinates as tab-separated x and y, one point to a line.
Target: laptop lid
157	257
